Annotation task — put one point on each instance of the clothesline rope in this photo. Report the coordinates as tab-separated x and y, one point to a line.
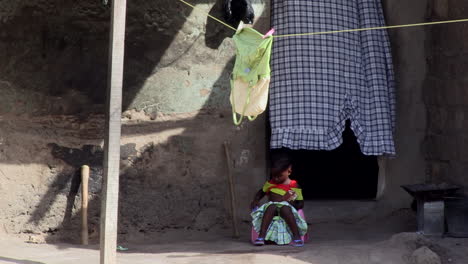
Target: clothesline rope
335	31
210	16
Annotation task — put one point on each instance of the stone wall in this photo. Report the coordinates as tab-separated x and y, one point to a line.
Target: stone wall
446	96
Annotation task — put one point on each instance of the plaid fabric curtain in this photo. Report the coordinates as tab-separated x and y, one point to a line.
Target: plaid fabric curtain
320	81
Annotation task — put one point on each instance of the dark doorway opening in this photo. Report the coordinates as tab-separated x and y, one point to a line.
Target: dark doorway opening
341	174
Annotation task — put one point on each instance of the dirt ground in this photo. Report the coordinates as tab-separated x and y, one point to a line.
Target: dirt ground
329	244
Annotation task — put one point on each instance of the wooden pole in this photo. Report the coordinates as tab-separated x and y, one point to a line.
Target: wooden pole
110	187
84	204
235	230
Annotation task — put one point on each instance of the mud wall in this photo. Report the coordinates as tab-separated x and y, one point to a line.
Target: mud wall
177	117
409	54
430	68
446	96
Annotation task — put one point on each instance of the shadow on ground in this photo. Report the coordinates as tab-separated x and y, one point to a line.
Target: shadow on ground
19	261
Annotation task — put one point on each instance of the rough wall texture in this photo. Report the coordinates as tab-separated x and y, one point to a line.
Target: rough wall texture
54	55
409	53
173	169
53	82
446	96
58	63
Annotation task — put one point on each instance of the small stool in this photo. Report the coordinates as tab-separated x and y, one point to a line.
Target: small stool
430	206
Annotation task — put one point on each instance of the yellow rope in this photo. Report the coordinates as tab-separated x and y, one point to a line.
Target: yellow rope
216	19
372	28
335	31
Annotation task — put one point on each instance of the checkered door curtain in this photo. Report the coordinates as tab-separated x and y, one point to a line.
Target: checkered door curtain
320	81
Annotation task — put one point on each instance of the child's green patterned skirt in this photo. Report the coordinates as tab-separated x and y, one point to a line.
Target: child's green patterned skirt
278	231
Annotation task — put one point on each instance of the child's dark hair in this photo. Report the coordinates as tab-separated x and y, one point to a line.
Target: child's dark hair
280	160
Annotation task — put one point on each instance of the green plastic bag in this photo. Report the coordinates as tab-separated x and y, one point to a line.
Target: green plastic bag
250	78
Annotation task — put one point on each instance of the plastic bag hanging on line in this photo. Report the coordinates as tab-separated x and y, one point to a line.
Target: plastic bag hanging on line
250	79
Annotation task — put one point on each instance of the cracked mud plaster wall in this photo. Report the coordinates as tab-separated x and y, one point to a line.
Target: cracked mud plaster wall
177	116
409	56
446	96
430	68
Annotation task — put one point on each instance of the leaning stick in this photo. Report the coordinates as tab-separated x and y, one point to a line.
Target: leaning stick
232	191
84	204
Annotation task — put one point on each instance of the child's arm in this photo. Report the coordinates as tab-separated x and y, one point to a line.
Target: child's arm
258	196
298	204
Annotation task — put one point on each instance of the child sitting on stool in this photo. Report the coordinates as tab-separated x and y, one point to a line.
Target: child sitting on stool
278	220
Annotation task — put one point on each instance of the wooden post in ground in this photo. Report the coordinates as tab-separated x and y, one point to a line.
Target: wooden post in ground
110	187
232	191
84	204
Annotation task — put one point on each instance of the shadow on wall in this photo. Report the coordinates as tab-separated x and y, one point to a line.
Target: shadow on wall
63	55
178	173
183	170
68	183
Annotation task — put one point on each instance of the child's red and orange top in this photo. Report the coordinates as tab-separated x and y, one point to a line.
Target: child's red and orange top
282	189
